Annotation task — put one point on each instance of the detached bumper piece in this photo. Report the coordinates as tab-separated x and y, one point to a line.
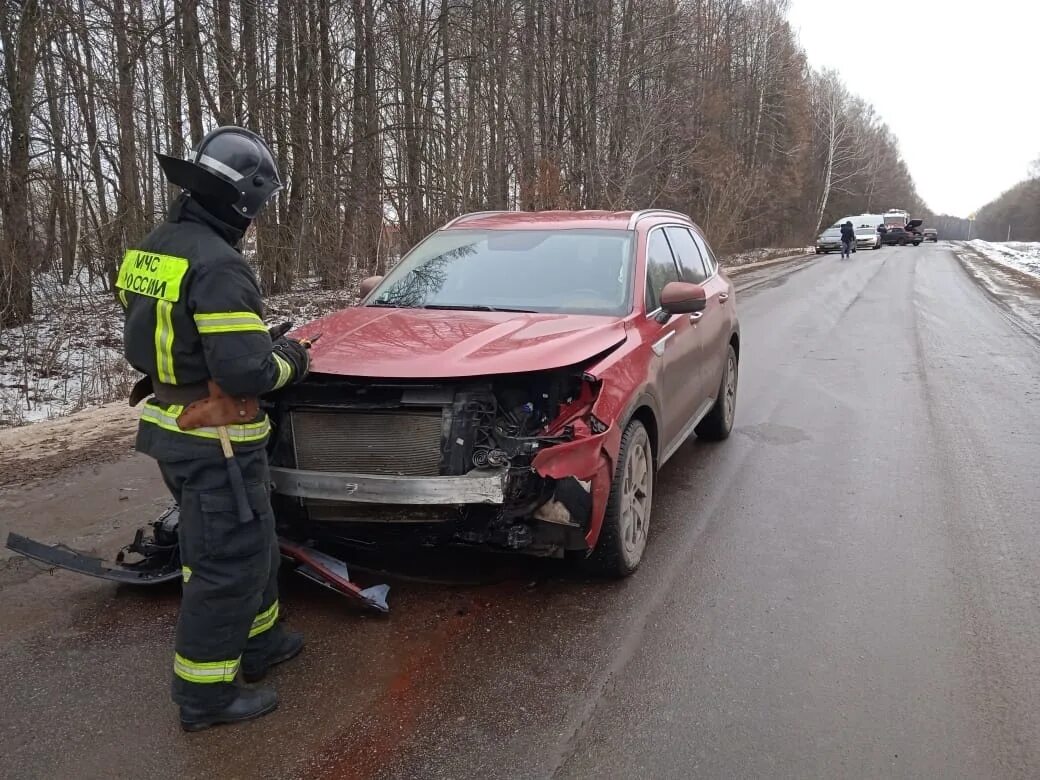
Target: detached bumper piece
332	573
152	557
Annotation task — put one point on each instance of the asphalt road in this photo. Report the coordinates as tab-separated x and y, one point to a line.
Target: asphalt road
848	587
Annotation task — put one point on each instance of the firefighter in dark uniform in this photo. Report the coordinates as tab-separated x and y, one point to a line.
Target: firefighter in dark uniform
194	327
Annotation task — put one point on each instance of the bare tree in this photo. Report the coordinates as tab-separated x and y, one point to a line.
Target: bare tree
388	118
20	26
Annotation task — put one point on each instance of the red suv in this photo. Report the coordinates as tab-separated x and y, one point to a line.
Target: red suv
514	382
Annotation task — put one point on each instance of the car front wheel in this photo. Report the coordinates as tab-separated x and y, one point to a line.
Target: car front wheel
622	539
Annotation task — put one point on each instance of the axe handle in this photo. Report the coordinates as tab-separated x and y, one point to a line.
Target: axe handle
225	442
238	485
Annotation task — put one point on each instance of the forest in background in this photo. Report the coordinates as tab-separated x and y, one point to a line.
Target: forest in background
1014	216
389	117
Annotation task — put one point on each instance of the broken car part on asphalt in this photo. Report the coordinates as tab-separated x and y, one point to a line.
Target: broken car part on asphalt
153	558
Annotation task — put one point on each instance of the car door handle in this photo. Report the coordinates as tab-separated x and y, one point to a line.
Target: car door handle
696	316
661	343
723	297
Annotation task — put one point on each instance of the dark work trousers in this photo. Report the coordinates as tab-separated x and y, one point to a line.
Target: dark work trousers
229	606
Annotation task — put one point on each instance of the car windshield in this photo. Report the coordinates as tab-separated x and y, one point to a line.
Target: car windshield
566	271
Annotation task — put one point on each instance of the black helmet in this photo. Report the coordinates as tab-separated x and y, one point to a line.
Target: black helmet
232	166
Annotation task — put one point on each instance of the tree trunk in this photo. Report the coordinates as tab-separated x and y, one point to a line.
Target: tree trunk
16	271
190	46
225	63
128	198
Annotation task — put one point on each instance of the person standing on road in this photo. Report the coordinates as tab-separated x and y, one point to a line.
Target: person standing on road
848	239
194	327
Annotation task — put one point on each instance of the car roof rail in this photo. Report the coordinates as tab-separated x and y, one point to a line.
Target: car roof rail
471	214
642	214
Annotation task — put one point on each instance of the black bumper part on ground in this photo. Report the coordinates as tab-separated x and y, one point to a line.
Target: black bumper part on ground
159	561
64	558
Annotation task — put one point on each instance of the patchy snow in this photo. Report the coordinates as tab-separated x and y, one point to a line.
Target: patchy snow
1013	287
759	255
1021	256
71	355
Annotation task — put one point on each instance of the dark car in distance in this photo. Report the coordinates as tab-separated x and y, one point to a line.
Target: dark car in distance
897	236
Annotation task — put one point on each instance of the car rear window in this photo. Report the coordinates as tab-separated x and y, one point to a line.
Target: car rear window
568	271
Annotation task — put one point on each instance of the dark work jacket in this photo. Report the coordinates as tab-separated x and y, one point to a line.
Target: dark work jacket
848	234
193	313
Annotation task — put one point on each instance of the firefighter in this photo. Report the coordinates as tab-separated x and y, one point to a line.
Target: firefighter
194	327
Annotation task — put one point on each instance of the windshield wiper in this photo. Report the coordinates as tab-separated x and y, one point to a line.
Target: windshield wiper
474	307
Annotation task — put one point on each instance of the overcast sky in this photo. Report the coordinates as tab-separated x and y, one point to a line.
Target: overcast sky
959	85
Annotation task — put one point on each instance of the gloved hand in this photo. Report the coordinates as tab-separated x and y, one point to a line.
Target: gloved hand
296	355
277	331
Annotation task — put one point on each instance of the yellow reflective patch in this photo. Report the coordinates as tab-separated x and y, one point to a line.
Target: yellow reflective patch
152	274
265	620
229	322
164	342
186	572
285	371
205	671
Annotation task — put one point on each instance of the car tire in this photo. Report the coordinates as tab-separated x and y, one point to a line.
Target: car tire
718	423
626	524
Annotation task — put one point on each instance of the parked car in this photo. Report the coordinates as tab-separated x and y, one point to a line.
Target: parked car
830	239
867	234
930	234
900	236
514	382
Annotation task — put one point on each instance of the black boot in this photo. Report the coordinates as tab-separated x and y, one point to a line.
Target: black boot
248	703
288	648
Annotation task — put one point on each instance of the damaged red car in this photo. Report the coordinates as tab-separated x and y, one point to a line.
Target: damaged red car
514	382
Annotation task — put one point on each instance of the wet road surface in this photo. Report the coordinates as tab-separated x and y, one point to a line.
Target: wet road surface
848	587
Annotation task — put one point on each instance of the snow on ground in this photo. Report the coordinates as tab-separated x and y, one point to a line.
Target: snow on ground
71	355
1016	288
758	255
1021	256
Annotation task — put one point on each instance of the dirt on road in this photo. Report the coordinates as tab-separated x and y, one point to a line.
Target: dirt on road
99	435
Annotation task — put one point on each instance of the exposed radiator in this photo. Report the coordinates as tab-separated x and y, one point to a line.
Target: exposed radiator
405	442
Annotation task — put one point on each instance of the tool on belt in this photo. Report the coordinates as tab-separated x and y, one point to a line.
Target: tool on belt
215	409
219	410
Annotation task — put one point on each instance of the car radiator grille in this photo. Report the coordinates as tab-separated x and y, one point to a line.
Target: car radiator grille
405	443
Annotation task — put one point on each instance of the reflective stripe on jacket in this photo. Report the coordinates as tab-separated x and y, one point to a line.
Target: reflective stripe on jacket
194	312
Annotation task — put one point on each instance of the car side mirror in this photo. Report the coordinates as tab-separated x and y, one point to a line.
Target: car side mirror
683	298
368	285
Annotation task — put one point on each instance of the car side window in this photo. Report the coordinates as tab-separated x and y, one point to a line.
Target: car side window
687	254
710	263
660	268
